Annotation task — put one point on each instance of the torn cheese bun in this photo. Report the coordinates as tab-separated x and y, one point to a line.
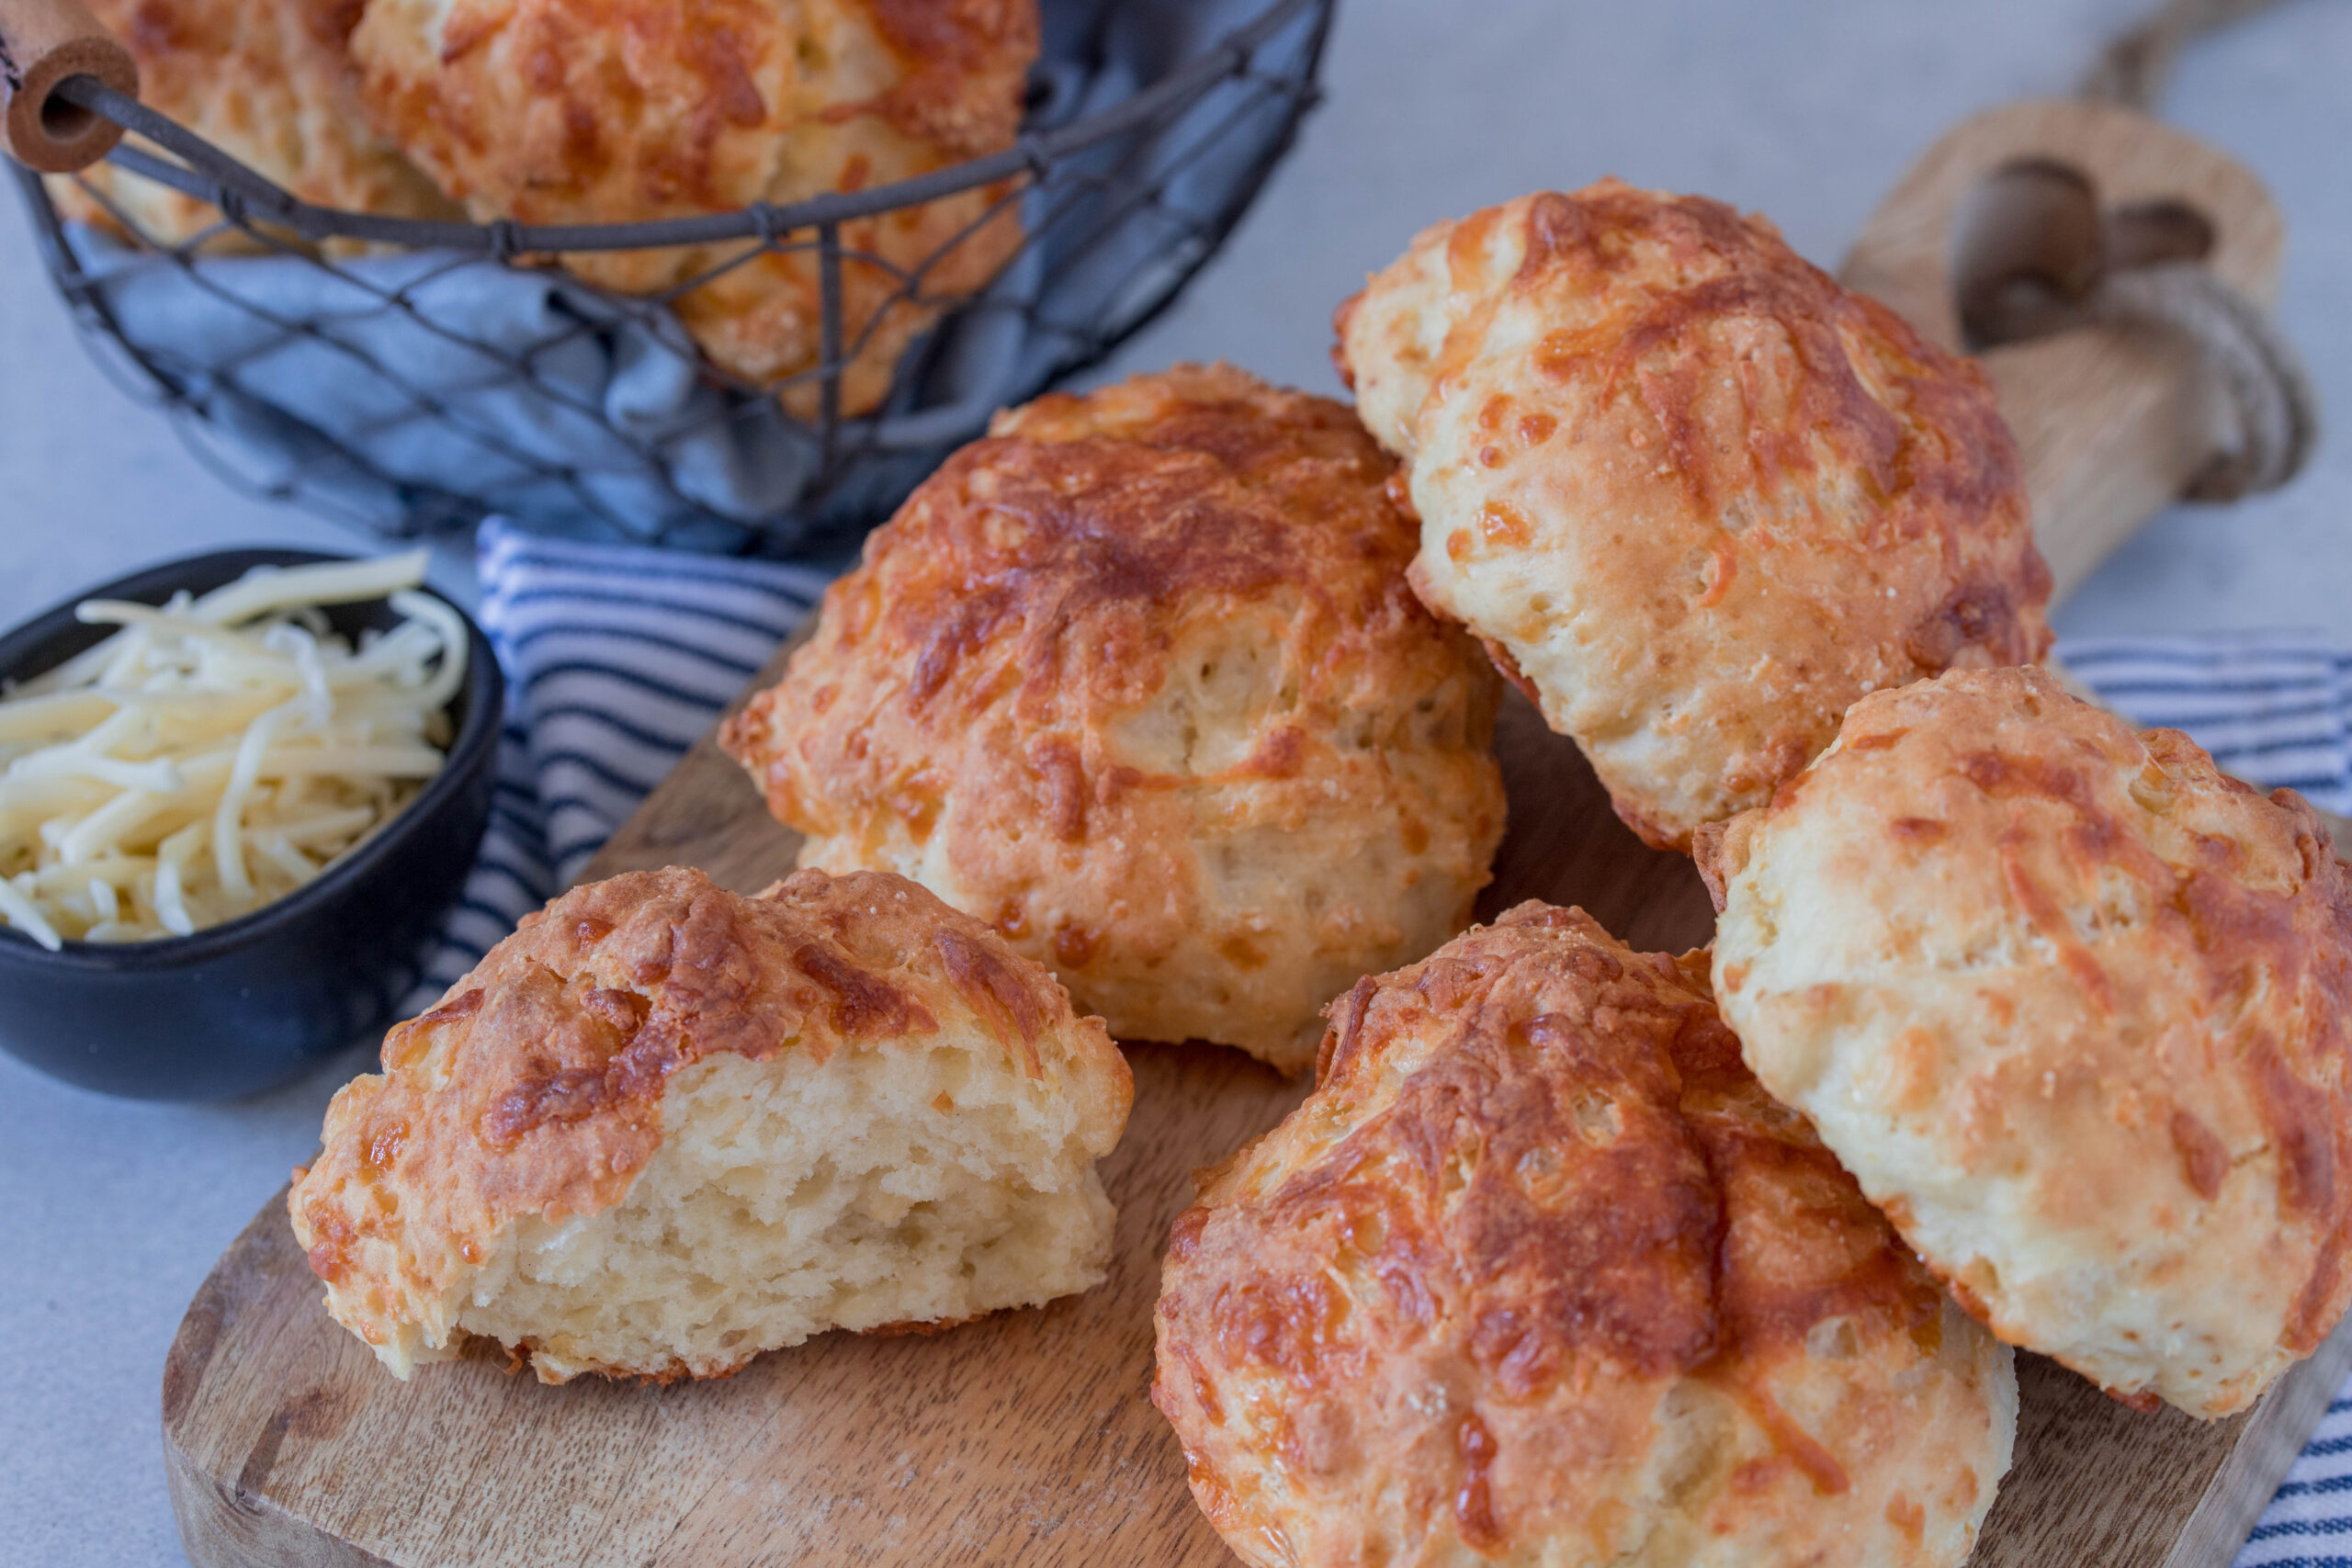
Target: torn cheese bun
1539	1275
664	1127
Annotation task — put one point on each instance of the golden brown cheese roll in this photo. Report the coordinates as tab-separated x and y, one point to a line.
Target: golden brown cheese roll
662	1128
1539	1275
1695	497
267	81
1139	680
616	111
2076	1009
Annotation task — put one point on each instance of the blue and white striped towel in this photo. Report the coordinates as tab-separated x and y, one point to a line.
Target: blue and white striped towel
618	658
2274	706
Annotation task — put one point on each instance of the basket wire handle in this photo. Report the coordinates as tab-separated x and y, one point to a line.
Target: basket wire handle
42	42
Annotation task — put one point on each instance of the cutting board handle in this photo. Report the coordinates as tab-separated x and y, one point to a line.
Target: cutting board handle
41	43
2113	423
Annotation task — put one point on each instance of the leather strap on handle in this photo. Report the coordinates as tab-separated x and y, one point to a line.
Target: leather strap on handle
41	43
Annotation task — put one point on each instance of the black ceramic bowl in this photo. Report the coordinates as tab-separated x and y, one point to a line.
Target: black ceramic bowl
253	1003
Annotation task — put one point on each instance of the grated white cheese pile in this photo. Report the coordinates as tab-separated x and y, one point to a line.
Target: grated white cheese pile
217	753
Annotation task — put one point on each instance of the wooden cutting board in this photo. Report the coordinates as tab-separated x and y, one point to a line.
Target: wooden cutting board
1027	1437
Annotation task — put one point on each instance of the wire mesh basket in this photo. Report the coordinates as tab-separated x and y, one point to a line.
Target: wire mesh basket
416	376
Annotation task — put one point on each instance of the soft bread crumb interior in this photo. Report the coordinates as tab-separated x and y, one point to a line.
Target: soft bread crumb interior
882	1187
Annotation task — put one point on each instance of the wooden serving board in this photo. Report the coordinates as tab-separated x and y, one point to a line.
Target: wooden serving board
1027	1437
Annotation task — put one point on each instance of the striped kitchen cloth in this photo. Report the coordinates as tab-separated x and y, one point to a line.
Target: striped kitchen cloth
2272	707
618	658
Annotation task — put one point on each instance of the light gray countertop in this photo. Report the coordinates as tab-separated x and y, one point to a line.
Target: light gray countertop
112	1213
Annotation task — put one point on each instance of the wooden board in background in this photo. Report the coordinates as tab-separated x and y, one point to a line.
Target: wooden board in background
1025	1437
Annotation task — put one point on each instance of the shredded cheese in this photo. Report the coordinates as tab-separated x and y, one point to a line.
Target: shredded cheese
218	752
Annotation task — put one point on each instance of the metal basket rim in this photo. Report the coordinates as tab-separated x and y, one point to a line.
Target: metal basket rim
1033	153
